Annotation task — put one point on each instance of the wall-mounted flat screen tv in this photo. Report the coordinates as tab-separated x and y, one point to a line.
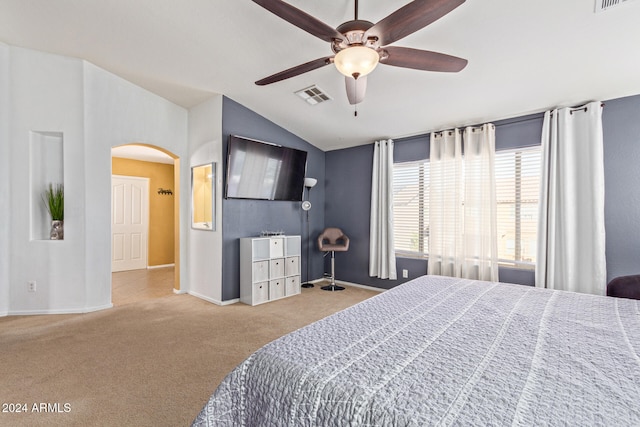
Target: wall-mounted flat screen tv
260	170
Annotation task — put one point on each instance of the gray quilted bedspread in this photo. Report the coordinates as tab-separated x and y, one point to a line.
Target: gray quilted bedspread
444	351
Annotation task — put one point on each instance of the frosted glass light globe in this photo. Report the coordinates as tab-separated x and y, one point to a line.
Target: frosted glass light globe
356	61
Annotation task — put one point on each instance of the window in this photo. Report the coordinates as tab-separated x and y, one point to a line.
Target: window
411	208
517	187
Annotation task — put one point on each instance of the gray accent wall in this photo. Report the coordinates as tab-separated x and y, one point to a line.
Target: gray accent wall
248	218
621	128
348	194
342	197
348	188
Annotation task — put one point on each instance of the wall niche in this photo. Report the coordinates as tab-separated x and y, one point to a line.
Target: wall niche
46	167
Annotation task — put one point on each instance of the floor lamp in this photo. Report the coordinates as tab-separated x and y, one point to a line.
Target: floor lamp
309	183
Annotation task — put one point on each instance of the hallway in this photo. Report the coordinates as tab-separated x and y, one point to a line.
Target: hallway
138	285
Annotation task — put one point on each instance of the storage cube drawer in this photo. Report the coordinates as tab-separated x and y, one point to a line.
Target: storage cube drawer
276	289
260	271
292	246
292	285
292	266
260	249
260	292
270	268
277	268
276	247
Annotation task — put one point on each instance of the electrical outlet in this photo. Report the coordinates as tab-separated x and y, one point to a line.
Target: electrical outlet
31	286
405	274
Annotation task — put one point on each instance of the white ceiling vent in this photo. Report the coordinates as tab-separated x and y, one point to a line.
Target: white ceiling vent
602	5
313	95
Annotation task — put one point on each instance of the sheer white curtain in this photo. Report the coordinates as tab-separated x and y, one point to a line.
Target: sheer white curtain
571	234
480	236
382	255
445	204
462	204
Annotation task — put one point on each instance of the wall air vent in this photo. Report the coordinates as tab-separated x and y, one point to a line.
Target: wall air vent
602	5
313	95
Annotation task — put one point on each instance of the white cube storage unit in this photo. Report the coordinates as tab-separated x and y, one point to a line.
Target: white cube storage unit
269	268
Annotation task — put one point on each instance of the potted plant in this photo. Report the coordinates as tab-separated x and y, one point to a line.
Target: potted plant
53	198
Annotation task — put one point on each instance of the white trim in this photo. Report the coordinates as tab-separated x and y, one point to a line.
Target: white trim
355	285
60	311
179	291
151	267
211	300
98	308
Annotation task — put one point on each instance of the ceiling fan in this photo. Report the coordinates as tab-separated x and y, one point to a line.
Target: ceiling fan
360	45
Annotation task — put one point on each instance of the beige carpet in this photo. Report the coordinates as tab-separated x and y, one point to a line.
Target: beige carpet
146	362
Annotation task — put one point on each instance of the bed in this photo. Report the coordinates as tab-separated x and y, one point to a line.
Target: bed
446	351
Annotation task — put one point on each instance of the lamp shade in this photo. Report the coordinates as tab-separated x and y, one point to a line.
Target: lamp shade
356	61
310	182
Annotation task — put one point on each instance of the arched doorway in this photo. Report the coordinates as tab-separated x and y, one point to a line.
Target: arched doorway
136	167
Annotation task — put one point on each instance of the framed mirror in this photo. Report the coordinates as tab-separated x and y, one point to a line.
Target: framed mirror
203	197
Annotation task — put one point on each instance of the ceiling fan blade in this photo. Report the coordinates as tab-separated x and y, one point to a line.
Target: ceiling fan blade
296	71
410	18
301	19
421	59
356	89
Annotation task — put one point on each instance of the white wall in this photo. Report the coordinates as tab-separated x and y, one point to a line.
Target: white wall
118	112
95	111
205	247
46	95
5	164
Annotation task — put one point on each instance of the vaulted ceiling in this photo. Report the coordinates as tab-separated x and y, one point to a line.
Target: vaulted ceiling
524	57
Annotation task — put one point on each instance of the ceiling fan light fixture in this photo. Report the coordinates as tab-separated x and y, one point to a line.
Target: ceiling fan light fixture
356	61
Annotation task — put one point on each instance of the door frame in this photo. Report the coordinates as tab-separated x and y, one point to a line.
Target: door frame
176	210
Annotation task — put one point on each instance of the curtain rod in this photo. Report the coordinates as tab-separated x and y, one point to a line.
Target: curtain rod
450	131
536	116
460	130
572	110
514	121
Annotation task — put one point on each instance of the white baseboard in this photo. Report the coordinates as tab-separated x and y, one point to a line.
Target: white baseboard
59	311
355	285
152	267
179	291
98	308
214	301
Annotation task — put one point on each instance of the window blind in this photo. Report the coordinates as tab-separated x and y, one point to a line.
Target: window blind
411	207
517	188
517	191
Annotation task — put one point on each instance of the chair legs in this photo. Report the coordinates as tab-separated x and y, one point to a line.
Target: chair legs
332	286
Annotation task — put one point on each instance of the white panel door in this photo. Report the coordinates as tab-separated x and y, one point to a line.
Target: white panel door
129	222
